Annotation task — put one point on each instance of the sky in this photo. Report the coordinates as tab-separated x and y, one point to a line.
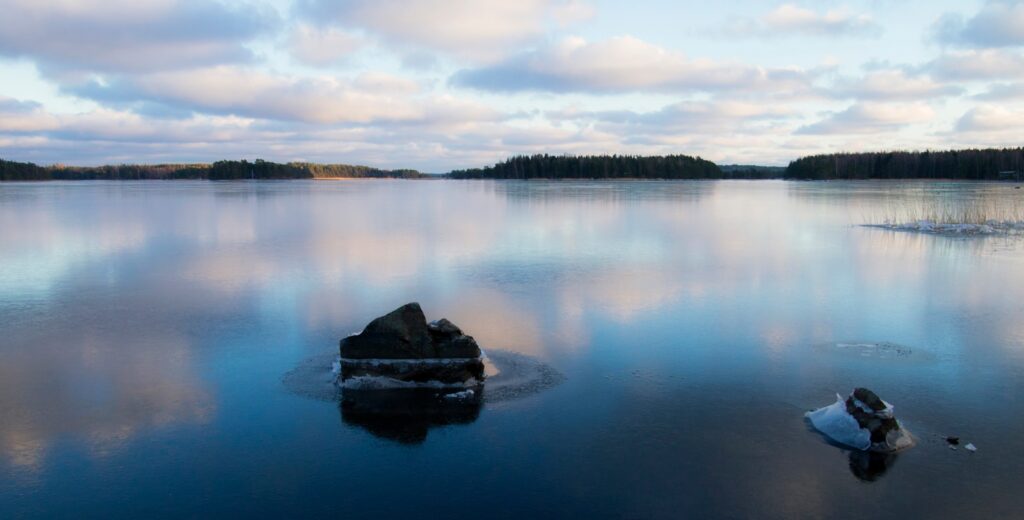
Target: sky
442	84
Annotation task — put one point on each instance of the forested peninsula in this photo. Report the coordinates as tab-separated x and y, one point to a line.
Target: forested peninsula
595	167
987	164
972	164
220	170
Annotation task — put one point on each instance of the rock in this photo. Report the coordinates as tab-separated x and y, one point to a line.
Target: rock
402	346
400	334
450	342
953	441
862	421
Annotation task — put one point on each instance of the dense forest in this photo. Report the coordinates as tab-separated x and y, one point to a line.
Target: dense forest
988	164
220	170
749	171
595	167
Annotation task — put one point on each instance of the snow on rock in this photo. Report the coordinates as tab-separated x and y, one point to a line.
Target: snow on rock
862	421
840	426
465	394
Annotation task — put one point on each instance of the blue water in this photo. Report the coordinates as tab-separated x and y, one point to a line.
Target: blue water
146	328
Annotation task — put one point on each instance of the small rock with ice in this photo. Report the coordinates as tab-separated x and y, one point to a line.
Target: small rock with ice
862	421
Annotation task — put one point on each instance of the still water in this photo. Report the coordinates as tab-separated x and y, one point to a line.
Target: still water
146	330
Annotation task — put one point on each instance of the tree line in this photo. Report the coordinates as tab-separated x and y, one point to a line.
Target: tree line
220	170
972	164
543	166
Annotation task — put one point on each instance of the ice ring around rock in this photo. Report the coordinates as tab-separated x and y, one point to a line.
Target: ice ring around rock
509	375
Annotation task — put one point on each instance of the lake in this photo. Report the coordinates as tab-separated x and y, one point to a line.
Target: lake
148	328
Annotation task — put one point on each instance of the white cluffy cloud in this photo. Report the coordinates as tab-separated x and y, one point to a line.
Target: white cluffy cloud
621	64
478	29
792	20
999	23
869	117
321	46
438	84
128	35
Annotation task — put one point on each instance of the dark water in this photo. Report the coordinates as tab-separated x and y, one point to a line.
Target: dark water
147	329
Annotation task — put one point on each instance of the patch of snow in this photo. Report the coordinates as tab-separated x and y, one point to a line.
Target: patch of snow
885	413
840	426
465	394
971	447
427	361
387	383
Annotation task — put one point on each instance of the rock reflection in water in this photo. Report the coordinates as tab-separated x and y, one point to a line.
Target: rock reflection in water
870	466
406	415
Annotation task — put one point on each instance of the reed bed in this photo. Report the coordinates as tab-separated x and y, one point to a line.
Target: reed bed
954	216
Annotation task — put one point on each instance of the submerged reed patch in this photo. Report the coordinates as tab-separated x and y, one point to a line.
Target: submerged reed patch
977	217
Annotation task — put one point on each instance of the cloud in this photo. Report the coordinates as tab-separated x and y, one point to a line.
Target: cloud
991	118
479	29
862	118
684	117
792	20
445	131
891	85
228	90
24	116
621	64
321	46
997	24
127	35
1003	92
975	65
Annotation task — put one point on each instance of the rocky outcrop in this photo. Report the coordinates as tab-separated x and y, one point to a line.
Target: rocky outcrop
403	347
862	421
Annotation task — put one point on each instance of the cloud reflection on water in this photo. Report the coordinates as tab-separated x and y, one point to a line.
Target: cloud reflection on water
144	308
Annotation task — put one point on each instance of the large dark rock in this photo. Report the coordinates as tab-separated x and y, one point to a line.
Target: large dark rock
401	345
399	334
450	342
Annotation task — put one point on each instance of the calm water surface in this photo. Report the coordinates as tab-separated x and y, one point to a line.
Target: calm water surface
145	329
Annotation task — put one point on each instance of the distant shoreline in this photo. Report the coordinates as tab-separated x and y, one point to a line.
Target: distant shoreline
959	165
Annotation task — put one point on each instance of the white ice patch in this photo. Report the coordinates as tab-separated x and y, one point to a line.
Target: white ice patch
387	383
840	426
465	394
970	447
388	362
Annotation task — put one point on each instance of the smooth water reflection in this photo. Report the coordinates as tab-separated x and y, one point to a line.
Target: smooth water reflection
147	326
